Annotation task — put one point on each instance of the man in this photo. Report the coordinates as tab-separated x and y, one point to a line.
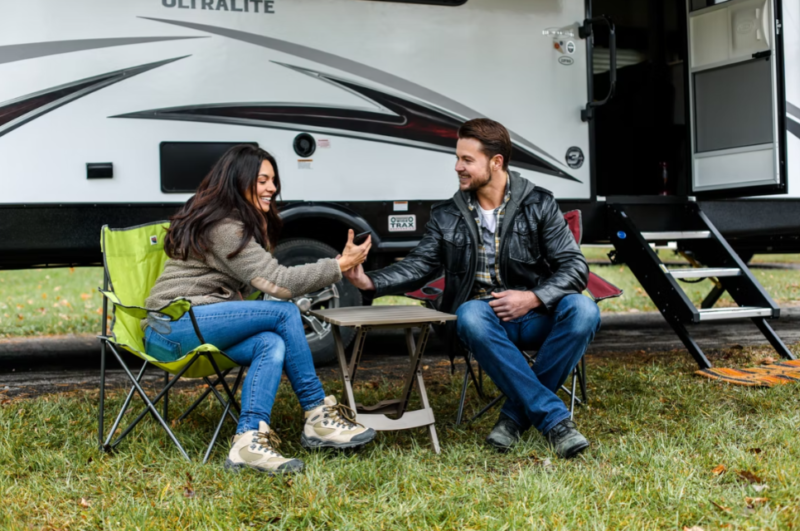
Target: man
514	276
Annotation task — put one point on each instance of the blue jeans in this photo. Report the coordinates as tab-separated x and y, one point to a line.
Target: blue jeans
561	339
266	336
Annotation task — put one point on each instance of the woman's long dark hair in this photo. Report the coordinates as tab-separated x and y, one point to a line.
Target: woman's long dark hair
223	194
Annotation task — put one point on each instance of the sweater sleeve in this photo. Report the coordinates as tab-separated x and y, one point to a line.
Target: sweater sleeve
256	267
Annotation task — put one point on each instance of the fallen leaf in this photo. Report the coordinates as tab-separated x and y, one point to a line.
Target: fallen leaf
769	360
755	501
760	488
188	493
44	295
754	450
20	317
749	476
425	367
693	528
86	296
85	503
720	507
719	470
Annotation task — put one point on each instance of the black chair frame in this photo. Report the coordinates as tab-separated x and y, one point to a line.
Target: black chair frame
578	379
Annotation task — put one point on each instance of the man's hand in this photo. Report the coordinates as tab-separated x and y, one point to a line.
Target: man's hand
359	279
508	305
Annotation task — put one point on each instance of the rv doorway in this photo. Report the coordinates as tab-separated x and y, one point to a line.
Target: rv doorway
641	135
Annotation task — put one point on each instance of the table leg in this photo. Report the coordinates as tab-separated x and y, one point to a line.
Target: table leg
358	350
340	355
415	352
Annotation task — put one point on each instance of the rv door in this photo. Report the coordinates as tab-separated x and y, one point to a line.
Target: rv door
737	100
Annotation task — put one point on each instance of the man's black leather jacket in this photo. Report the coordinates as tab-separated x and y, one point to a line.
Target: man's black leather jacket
537	251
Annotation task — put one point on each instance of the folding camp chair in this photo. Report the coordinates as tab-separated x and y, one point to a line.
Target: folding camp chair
133	258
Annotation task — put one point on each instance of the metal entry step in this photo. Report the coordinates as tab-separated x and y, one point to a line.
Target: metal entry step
677	235
743	312
705	272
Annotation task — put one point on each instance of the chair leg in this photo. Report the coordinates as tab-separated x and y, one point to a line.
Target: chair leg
222	381
463	398
101	413
222	400
166	398
583	379
489	406
104	332
124	408
150	405
209	386
223	417
572	394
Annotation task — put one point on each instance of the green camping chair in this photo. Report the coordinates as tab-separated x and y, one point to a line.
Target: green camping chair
133	258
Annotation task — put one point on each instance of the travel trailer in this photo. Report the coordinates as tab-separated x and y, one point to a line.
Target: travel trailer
661	121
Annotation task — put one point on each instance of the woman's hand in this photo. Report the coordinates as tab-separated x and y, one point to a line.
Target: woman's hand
353	255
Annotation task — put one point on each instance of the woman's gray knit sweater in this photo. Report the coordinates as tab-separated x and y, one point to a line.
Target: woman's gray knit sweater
217	278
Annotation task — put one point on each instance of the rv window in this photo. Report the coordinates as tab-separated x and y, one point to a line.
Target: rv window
185	164
451	3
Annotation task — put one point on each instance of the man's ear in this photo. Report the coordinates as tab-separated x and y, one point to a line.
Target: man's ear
497	163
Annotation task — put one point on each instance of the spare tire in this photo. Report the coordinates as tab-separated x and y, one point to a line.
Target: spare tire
301	251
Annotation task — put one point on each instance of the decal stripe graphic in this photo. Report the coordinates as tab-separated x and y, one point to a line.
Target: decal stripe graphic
396	120
359	69
793	110
793	127
17	112
20	52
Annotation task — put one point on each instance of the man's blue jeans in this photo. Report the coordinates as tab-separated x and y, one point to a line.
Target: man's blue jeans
561	339
267	336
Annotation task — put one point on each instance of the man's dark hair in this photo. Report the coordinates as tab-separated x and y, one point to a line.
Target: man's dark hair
492	135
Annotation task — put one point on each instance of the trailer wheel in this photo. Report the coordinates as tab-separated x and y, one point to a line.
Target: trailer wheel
319	335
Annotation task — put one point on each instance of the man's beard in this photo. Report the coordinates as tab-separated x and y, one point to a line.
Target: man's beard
476	184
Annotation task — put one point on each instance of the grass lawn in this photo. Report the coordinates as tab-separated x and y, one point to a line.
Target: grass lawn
669	450
66	301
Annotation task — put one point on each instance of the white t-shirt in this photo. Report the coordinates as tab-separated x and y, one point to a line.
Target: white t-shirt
489	219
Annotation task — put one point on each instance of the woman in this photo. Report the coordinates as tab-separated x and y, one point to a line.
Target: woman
218	245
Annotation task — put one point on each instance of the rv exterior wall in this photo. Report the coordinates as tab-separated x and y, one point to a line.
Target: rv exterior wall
411	55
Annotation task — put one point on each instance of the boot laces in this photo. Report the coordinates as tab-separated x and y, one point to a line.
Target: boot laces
268	440
341	414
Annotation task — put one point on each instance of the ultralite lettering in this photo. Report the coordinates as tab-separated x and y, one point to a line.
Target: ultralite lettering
224	5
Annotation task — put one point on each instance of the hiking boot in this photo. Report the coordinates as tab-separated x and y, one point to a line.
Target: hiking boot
566	440
258	449
333	425
504	434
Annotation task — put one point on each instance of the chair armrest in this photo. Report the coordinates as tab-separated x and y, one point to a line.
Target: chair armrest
174	310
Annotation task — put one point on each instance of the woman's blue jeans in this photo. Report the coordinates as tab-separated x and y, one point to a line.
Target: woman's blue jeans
561	337
267	336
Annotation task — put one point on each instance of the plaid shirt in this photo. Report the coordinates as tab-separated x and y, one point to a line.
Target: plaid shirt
487	274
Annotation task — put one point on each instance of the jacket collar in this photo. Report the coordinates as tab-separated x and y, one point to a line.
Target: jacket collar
520	189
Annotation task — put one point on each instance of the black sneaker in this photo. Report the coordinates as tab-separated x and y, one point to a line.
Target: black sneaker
566	440
504	434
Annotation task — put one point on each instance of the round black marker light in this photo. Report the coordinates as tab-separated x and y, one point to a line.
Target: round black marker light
304	145
574	157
